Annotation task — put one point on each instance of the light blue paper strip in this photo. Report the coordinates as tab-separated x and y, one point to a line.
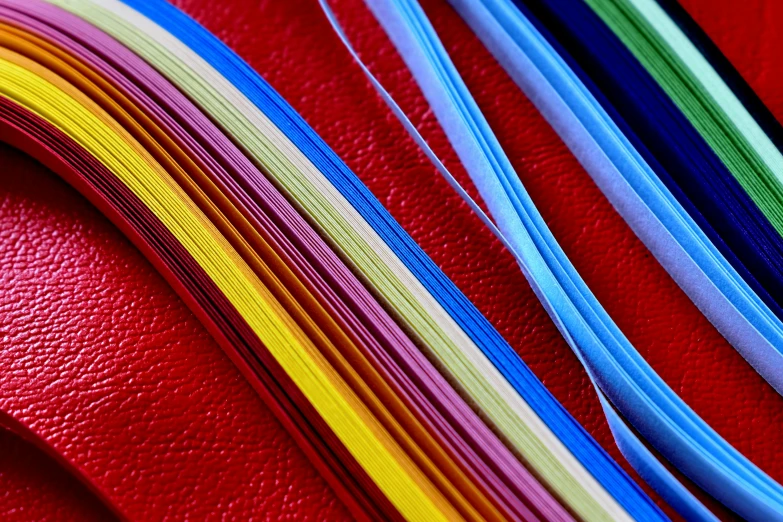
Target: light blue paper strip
634	450
667	230
633	188
633	386
492	344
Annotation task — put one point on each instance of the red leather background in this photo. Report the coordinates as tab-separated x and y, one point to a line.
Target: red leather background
73	274
105	364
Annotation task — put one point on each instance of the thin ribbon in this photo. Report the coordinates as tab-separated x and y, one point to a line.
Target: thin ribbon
634	189
394	21
243	120
484	440
409	491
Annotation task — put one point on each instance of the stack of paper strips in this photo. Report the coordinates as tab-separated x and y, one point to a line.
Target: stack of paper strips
410	398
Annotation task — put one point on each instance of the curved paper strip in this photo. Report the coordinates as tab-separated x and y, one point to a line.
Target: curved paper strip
639	457
420	59
350	350
395	474
634	189
747	97
474	429
28	132
468	132
504	409
764	352
651	113
734	480
677	153
703	97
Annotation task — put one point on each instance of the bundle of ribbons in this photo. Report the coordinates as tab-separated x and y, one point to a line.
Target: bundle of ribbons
409	402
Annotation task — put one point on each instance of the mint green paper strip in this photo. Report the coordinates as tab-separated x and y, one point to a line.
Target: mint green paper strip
705	99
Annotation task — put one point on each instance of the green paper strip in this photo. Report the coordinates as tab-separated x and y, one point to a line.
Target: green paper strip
705	99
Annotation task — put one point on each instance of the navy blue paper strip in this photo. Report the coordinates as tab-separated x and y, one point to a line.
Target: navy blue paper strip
668	142
672	236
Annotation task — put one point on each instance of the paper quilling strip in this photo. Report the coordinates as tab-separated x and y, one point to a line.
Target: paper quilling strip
608	156
670	145
723	122
408	401
395	340
452	105
630	172
207	195
494	405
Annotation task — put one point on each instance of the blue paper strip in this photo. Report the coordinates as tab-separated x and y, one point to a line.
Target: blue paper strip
565	427
655	410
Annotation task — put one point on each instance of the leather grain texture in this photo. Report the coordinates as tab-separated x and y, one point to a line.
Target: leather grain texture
107	368
328	89
76	284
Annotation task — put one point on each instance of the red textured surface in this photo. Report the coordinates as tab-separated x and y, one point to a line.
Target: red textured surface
105	364
322	83
291	44
35	487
